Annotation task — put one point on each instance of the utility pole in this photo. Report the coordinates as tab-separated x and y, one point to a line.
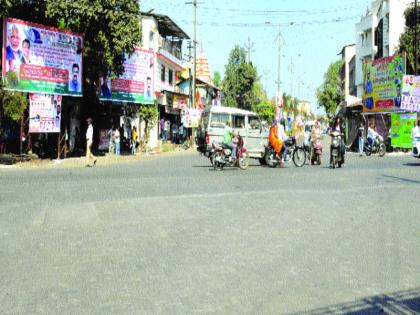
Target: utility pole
248	47
278	98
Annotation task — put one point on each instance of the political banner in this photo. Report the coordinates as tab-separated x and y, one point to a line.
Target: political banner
41	59
136	84
44	113
401	127
410	99
191	117
382	84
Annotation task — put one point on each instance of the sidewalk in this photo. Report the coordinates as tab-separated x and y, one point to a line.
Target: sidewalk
102	160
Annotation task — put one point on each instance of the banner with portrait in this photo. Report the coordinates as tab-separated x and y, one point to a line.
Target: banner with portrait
411	93
44	113
136	84
382	84
41	59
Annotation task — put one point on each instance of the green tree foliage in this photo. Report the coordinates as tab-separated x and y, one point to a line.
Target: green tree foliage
329	94
110	27
14	103
217	79
148	114
406	41
262	105
239	79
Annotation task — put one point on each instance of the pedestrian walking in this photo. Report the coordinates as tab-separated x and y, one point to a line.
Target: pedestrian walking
133	140
360	133
117	140
167	129
174	133
89	140
162	129
111	145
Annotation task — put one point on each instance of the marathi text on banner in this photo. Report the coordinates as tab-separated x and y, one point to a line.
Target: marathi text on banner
382	84
410	99
136	84
44	113
41	59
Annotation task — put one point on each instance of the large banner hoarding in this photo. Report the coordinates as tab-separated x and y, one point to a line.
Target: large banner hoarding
44	113
41	59
410	99
382	84
191	117
136	85
401	127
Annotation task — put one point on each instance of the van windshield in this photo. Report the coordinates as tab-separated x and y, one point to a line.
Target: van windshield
218	120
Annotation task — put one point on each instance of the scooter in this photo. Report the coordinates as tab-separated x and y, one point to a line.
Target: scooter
337	158
316	152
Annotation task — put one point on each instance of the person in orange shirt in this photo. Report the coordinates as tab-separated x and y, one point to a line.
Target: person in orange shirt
274	139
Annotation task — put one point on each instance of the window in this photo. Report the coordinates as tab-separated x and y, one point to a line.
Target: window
219	120
171	76
162	73
238	122
254	123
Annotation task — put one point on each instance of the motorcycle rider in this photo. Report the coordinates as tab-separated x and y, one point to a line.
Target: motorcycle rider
273	138
283	138
227	140
315	136
415	132
338	127
372	135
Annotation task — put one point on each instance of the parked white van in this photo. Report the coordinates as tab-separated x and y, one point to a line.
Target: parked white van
246	123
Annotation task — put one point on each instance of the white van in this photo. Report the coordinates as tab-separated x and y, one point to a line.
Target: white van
246	123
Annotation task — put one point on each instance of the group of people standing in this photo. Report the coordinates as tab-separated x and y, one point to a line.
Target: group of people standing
172	131
128	136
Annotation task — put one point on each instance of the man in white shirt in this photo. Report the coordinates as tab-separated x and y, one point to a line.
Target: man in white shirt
415	132
89	140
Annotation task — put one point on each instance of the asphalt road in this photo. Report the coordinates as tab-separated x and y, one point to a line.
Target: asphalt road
172	236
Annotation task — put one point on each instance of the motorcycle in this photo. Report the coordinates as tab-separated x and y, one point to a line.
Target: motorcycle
221	156
337	158
316	152
295	153
377	147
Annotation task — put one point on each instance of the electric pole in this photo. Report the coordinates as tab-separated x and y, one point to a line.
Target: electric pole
248	47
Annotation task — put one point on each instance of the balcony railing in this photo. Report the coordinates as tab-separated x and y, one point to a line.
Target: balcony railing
172	47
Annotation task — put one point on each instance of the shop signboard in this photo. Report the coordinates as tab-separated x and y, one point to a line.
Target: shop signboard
410	98
41	59
401	127
382	84
104	139
136	84
180	101
192	117
44	113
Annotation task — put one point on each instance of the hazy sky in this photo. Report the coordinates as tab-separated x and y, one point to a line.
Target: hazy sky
313	31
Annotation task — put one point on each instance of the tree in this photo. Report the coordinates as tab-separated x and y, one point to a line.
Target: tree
329	94
149	114
239	79
217	79
262	105
407	39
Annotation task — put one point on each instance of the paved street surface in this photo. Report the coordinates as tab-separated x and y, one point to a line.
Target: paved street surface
171	236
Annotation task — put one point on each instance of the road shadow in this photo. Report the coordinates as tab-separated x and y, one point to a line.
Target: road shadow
401	179
401	302
411	164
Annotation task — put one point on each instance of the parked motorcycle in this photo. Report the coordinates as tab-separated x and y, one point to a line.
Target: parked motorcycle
316	152
337	158
378	147
221	156
295	153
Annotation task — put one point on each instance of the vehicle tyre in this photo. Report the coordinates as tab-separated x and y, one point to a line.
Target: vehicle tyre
270	159
262	161
299	157
382	150
217	165
243	162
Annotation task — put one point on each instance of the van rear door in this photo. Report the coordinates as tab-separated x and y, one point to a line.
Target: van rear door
256	142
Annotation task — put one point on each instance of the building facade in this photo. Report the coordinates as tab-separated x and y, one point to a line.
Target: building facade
377	34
